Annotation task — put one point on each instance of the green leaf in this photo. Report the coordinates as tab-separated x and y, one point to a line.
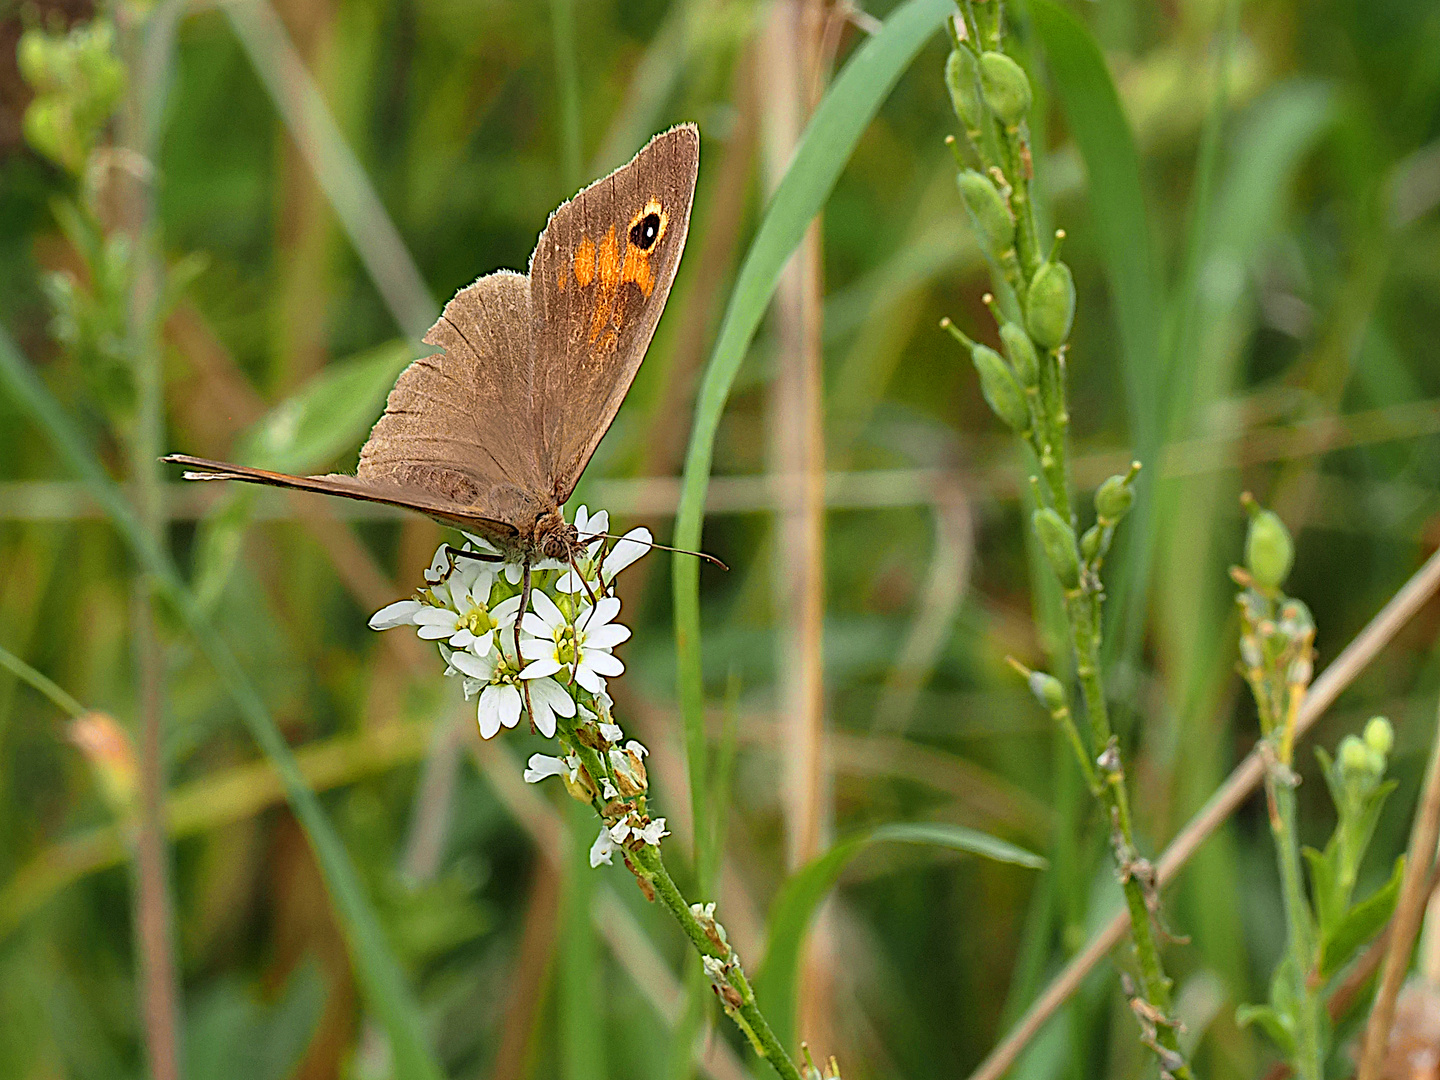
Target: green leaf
382	983
1329	905
328	416
1361	922
1271	1022
800	896
834	129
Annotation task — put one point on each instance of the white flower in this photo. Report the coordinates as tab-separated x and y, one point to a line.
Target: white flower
502	698
540	766
440	566
601	849
611	733
608	789
627	550
400	613
591	525
582	647
463	617
652	833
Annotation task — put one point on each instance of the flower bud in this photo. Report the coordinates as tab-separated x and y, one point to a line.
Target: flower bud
1021	351
1379	736
1051	305
1354	756
1047	690
992	218
1006	87
579	785
997	383
1269	551
629	770
960	78
1090	543
1114	498
1057	540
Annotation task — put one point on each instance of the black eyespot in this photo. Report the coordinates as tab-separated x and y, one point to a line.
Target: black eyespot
645	232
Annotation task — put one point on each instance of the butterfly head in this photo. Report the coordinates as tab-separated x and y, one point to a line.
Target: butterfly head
555	537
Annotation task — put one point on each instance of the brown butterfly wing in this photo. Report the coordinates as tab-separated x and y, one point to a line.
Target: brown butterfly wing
599	279
459	425
347	487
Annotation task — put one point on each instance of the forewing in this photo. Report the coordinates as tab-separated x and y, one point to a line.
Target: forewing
599	279
458	425
348	487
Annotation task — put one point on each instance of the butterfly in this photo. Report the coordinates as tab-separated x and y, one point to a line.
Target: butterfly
493	433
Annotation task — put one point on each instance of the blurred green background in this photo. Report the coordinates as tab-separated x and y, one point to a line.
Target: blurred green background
1290	159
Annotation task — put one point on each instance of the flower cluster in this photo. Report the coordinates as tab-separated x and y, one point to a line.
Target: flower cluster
548	663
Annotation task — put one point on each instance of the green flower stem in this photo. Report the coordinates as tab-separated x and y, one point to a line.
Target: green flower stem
1049	436
747	1014
1280	790
650	868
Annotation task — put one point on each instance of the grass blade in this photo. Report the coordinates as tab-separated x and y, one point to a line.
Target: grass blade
837	124
799	898
375	965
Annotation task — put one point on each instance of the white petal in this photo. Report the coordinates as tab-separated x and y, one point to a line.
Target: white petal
611	733
546	609
504	612
472	665
400	613
554	696
480	646
636	747
434	616
509	704
435	633
652	833
462	639
545	665
589	680
631	547
602	663
600	850
513	573
607	789
543	717
535	648
535	626
479	543
600	614
488	712
582	518
540	766
607	636
619	831
569	582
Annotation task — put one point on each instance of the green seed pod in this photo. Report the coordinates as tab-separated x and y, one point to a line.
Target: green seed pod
1021	351
960	78
1051	305
1269	551
1379	736
988	211
1057	540
1114	498
1006	87
1047	691
997	383
1090	543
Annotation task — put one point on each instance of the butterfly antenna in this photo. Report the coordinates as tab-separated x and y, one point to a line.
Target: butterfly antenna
659	547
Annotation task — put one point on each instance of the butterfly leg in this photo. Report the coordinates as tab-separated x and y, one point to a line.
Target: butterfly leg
479	556
519	618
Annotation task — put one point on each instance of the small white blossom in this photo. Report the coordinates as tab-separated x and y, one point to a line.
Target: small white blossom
611	733
583	648
464	619
502	698
540	766
601	849
440	566
652	833
400	613
627	550
607	789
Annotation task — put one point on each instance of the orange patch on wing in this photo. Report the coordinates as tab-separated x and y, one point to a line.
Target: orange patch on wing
636	268
585	262
608	272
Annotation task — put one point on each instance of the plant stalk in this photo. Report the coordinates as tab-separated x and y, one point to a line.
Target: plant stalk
1280	794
